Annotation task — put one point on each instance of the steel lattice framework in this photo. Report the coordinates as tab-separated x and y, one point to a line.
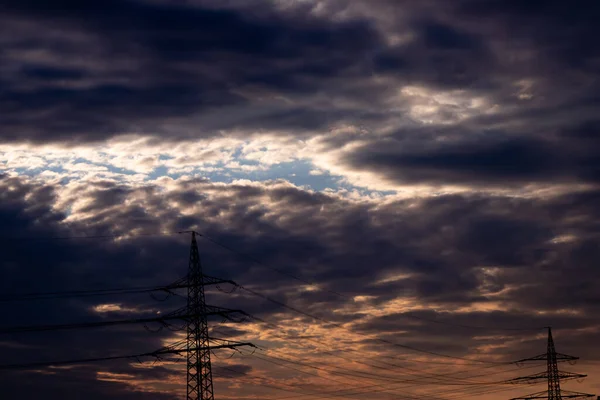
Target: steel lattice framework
552	374
199	372
552	370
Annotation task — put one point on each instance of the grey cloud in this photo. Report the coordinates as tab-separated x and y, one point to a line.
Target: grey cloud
189	71
234	371
70	384
31	263
465	231
347	247
163	53
161	64
485	159
174	72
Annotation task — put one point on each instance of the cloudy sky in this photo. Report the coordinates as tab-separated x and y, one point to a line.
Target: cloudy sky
417	181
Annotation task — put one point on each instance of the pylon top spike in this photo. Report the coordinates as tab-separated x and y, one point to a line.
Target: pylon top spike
550	340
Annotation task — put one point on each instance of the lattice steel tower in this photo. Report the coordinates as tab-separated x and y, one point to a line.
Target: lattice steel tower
552	374
552	370
199	372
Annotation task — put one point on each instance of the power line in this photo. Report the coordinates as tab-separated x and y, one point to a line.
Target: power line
109	358
261	384
76	237
434	321
77	293
404	346
282	272
354	374
477	391
384	378
387	385
421	380
348	392
84	325
208	280
256	261
384	387
552	375
347	349
196	346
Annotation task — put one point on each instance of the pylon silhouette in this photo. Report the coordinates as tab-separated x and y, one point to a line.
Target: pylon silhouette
552	374
199	371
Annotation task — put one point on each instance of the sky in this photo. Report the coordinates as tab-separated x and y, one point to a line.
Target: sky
407	189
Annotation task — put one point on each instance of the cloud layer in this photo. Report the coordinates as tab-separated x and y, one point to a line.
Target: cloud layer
461	261
431	166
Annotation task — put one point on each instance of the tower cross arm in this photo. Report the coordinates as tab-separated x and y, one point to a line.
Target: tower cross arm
531	379
210	348
543	357
207	280
566	394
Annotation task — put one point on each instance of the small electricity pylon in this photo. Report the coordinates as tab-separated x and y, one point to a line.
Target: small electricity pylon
199	372
552	374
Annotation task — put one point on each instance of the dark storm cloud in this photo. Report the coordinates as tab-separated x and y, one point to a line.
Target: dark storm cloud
487	47
439	244
76	72
537	21
475	230
442	56
79	72
483	161
465	231
32	264
69	385
149	63
138	55
491	328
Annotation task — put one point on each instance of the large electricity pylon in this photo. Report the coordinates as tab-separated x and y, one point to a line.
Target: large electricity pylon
552	375
199	372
